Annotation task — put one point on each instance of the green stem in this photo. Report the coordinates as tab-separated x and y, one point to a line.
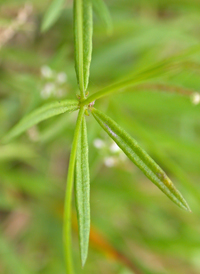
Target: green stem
68	197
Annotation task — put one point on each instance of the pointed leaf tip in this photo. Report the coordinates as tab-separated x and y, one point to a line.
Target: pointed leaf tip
140	158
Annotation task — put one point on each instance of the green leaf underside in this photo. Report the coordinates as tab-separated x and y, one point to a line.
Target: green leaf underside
140	158
39	115
52	14
83	27
82	192
103	13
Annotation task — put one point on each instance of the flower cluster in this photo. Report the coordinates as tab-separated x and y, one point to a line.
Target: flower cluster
116	155
54	83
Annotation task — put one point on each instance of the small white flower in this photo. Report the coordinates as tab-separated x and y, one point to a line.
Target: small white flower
114	148
47	90
196	98
61	77
98	143
49	87
46	72
109	161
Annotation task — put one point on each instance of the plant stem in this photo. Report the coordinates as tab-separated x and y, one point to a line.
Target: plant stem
68	197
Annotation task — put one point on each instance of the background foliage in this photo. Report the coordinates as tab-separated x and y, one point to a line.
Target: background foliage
134	226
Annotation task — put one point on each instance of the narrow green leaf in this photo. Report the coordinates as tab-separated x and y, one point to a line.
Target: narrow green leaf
134	80
140	158
52	14
83	27
156	70
68	197
82	192
40	114
103	13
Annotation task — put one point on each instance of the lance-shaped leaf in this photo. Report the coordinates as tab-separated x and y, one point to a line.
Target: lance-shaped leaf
82	192
83	27
40	114
68	197
156	70
103	13
140	158
52	14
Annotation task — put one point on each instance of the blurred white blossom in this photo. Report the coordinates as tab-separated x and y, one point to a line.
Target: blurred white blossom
48	90
53	83
61	77
98	143
111	152
46	72
110	161
196	98
114	147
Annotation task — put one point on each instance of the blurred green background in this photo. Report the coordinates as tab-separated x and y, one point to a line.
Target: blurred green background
135	228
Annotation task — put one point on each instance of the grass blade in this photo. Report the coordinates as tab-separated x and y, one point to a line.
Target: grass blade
68	198
140	158
52	14
83	27
103	13
40	114
82	192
